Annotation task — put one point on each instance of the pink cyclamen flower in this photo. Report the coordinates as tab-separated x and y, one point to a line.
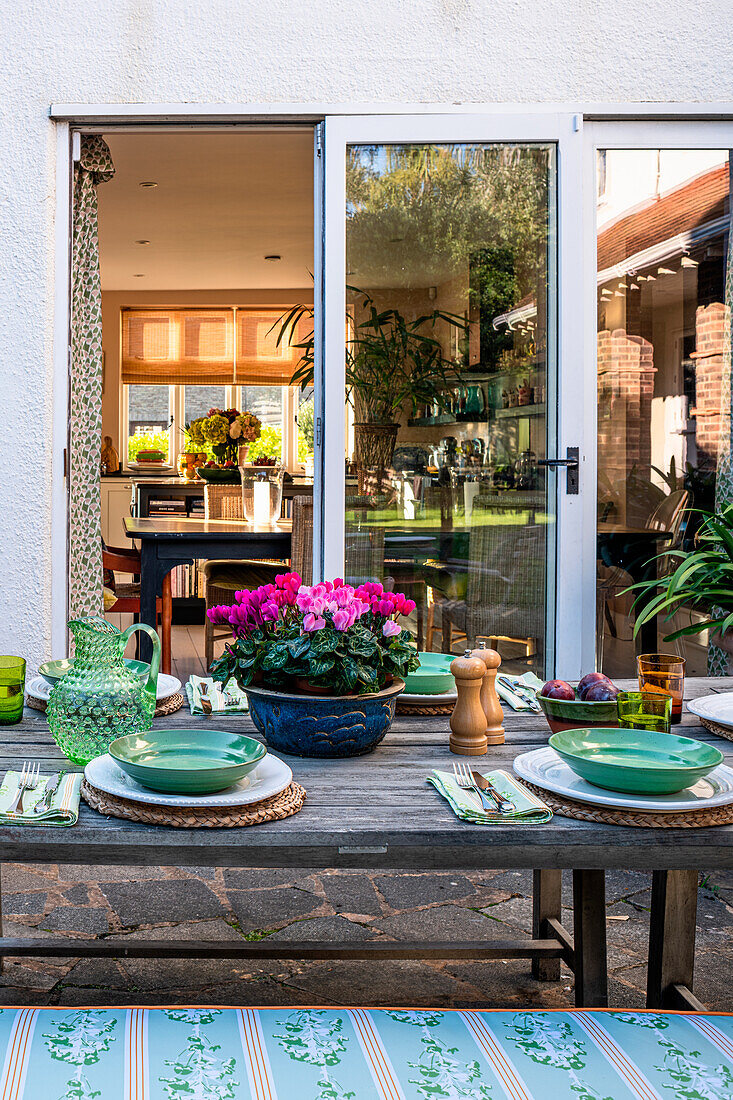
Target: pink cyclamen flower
311	623
342	620
391	629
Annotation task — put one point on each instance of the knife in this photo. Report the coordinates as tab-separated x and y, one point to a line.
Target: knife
490	796
52	785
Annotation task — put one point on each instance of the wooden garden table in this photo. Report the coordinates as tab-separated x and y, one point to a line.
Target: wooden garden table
377	812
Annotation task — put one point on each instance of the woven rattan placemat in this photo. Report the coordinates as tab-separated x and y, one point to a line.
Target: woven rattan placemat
285	804
167	706
424	709
720	731
584	811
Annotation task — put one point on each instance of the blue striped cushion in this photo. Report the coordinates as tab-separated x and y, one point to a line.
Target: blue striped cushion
358	1054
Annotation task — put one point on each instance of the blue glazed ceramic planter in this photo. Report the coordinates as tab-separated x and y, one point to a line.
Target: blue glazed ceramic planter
323	725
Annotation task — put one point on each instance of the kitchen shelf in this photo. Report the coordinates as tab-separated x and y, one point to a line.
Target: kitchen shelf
431	422
519	411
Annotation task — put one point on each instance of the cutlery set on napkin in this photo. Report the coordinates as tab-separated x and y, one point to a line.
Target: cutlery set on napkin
524	808
206	696
29	798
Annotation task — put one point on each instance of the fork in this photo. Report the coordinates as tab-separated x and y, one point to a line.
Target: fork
464	779
29	778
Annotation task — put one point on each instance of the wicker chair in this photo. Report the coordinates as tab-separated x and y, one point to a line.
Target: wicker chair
225	577
364	545
505	582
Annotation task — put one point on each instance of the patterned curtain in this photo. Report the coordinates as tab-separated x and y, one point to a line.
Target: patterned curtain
85	412
718	658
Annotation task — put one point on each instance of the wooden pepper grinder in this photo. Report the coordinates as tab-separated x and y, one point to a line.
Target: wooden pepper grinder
468	721
489	696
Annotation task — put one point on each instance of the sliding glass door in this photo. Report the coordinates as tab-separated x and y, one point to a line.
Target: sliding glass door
661	304
443	413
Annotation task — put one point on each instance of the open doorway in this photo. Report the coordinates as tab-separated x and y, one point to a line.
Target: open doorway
205	241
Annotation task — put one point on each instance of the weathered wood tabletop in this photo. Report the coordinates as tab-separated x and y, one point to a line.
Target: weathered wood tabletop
377	811
370	811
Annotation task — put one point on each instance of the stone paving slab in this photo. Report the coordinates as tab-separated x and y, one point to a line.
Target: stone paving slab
219	904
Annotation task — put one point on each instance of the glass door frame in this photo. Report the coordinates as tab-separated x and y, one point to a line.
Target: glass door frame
570	610
631	133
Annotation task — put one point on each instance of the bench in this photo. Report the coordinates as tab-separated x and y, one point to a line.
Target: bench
210	1053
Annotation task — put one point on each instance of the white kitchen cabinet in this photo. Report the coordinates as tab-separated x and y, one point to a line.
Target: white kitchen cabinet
116	498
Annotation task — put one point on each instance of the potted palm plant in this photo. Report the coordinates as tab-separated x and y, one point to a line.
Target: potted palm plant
391	364
701	581
322	665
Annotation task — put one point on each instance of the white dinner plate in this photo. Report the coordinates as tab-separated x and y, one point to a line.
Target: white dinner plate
428	700
715	708
545	768
271	776
167	686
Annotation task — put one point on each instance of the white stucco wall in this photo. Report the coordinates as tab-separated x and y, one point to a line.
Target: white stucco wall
175	51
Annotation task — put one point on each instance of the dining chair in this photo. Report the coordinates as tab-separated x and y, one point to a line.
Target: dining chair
227	576
127	595
364	543
504	578
667	516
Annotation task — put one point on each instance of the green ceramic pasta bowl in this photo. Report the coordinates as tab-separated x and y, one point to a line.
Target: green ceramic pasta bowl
187	761
636	761
433	677
53	671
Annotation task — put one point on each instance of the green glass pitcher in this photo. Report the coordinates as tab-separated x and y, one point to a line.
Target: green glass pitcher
101	698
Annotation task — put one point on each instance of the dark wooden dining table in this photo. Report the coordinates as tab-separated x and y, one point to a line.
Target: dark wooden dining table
378	812
166	543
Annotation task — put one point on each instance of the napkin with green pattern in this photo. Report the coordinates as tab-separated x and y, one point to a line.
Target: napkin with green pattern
207	696
64	808
468	806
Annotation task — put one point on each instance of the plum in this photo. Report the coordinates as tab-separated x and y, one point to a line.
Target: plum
557	689
588	680
600	692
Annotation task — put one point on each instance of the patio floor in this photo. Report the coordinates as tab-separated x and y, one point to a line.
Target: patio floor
220	904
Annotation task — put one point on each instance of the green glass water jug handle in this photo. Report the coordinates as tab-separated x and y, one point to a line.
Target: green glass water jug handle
151	686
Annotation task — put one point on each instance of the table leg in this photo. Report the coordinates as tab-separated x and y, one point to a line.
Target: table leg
672	940
589	935
546	905
148	595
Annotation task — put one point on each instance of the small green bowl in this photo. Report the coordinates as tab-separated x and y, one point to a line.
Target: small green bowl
187	761
576	714
433	677
636	761
53	671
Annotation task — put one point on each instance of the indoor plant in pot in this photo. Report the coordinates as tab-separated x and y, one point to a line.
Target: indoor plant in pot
391	363
322	665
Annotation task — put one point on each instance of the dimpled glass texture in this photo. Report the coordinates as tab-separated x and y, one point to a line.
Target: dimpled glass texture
100	698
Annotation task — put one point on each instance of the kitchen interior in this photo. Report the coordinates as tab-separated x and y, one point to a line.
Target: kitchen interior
205	237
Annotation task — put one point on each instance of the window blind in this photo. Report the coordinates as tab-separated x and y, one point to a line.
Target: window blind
261	361
174	346
209	346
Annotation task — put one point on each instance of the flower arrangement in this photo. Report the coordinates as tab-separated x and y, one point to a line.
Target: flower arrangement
223	432
339	639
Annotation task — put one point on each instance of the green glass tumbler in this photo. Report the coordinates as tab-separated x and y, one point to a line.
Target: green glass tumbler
644	710
12	690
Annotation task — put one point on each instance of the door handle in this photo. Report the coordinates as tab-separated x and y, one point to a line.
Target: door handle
571	464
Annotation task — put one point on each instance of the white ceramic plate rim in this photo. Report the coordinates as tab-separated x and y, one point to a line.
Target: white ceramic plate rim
706	708
420	697
533	767
271	776
167	686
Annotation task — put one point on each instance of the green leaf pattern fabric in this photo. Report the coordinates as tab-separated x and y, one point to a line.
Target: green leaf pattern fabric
358	1054
85	401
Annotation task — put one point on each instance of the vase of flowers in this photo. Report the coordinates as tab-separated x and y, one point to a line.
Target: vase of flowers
322	665
226	433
